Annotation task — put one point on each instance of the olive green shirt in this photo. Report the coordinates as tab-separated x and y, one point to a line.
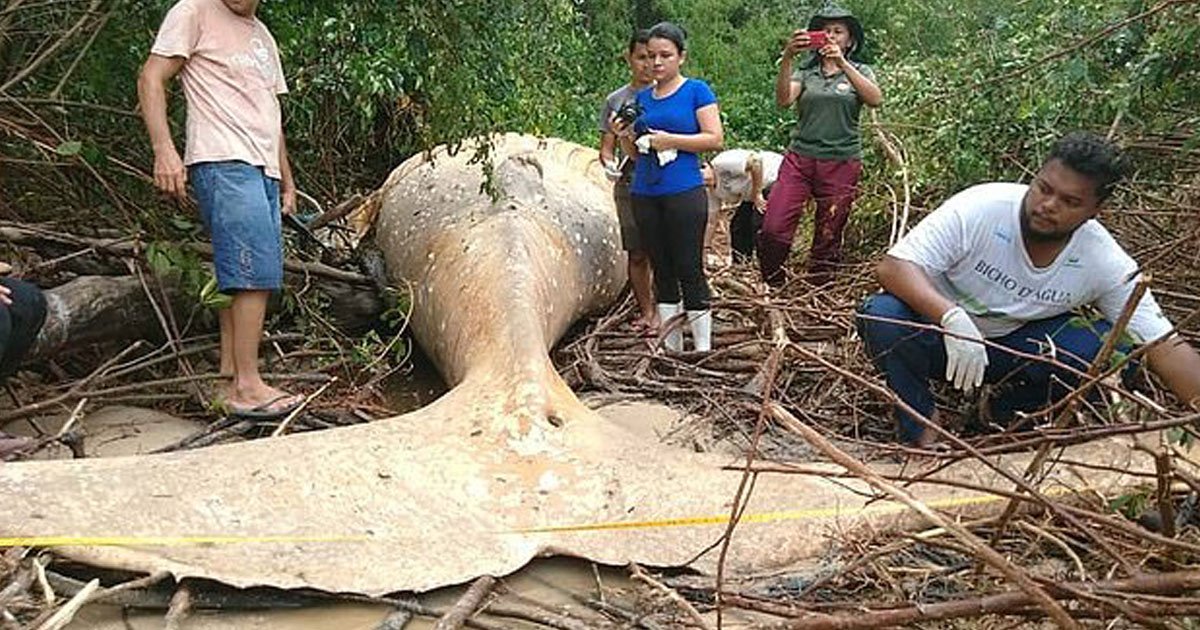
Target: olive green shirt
828	108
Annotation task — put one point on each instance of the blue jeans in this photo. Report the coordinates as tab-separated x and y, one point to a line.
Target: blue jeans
240	208
908	357
19	323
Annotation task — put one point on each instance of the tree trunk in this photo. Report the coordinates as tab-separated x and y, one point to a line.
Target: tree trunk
90	309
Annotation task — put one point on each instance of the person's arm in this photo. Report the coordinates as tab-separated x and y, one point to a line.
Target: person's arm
608	147
169	174
287	185
868	92
754	167
1177	363
787	90
710	138
907	281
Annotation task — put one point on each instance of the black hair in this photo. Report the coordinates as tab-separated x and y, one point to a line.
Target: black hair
672	32
1093	156
639	36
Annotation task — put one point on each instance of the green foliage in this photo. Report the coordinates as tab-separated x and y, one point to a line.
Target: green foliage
1181	436
975	90
1131	504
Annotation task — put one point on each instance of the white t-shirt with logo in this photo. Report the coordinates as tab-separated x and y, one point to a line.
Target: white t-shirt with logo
231	79
972	250
733	181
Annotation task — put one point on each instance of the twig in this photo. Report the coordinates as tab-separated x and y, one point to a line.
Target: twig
741	498
638	574
396	620
65	614
75	391
977	546
295	412
467	604
1033	470
57	91
53	48
180	608
999	604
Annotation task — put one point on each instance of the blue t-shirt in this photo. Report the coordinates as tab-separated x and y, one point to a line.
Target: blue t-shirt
675	114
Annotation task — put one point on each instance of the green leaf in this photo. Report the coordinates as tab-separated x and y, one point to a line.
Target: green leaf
69	148
183	223
93	155
213	298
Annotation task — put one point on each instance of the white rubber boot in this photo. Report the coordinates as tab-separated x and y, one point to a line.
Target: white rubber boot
701	322
674	339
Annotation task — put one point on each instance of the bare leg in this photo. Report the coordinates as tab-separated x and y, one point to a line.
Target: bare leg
225	318
246	320
640	276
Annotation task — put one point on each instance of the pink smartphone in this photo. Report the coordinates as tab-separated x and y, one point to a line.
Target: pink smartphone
817	39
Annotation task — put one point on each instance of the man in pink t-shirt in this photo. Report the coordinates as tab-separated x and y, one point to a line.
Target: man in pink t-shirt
237	162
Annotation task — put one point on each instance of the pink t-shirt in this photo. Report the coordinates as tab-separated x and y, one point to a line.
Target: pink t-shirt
231	79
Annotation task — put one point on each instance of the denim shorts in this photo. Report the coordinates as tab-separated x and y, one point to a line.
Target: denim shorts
240	208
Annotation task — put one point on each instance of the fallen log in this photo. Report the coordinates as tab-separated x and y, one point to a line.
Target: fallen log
92	309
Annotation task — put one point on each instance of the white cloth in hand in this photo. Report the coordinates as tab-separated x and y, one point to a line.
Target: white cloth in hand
666	156
643	143
612	170
966	356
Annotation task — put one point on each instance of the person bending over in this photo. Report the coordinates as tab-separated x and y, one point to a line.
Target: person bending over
743	182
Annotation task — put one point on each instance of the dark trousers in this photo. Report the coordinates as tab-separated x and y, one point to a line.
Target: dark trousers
908	357
672	230
19	323
743	231
833	185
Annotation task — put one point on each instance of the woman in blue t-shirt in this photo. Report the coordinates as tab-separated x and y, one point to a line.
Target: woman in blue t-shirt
679	119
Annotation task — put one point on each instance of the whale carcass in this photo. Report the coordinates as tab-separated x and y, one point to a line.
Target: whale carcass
505	467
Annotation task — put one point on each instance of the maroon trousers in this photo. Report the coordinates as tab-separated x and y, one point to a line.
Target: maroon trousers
833	184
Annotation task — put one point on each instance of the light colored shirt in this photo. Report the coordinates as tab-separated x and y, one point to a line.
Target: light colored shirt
231	80
612	103
733	178
972	250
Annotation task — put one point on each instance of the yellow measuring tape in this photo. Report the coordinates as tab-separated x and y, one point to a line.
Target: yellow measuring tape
883	507
762	517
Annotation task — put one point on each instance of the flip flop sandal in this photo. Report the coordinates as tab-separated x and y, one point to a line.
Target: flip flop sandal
264	411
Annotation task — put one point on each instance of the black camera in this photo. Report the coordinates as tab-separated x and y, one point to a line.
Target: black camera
629	112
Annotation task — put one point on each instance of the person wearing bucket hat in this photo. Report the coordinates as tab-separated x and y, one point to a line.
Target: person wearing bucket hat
824	160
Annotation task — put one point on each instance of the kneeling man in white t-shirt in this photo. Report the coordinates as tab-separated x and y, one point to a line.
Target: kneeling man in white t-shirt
1011	263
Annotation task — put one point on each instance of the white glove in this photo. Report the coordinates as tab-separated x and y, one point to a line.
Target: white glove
666	156
643	143
612	170
966	360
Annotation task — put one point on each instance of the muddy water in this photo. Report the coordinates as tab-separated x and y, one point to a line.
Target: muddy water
551	582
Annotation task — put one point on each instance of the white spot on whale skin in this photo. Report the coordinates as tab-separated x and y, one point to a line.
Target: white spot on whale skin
477	489
548	482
